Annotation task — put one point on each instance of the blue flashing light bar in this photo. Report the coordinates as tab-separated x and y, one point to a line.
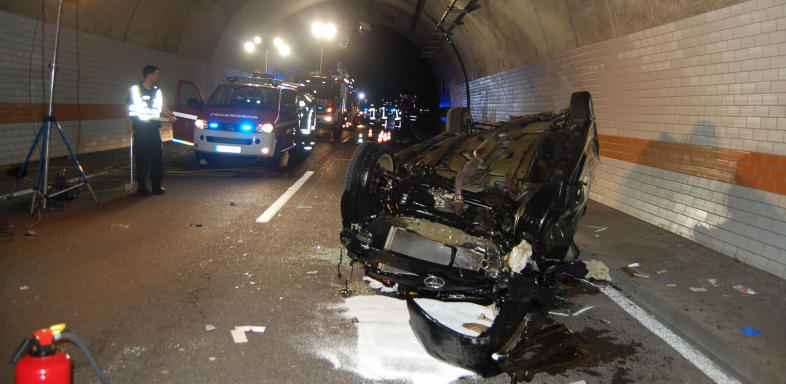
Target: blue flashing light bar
319	108
246	127
182	142
212	124
444	119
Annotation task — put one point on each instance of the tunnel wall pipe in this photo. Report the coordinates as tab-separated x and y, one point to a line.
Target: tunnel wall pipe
105	70
691	121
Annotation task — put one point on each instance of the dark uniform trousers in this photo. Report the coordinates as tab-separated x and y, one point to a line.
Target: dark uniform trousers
149	153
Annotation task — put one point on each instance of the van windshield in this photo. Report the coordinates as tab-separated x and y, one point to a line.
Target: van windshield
245	97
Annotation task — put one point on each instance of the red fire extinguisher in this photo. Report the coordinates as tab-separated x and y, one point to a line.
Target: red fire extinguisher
44	364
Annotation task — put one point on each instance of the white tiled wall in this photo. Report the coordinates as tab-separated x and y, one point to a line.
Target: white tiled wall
101	75
716	79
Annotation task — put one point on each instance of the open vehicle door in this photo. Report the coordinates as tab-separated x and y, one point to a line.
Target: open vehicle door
188	104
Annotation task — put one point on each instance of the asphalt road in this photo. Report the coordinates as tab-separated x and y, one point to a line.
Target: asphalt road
140	278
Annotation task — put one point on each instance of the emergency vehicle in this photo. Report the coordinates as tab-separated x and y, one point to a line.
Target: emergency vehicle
330	92
245	116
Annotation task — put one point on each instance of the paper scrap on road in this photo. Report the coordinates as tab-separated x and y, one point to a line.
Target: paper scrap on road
699	289
641	275
633	265
210	327
597	270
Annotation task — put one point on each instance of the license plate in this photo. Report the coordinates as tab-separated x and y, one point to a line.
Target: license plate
227	148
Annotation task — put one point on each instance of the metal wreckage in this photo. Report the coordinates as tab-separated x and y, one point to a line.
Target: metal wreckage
483	213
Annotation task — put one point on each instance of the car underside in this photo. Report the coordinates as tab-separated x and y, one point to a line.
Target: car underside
480	212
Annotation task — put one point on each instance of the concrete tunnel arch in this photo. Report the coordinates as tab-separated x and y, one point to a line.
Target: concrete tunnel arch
688	94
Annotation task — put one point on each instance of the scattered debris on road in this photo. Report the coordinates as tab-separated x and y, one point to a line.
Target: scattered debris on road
743	289
597	270
698	289
210	327
749	331
239	333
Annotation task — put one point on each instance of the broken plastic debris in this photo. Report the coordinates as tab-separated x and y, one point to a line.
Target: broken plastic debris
633	265
239	333
232	203
31	233
238	336
24	287
198	224
231	246
209	327
212	358
378	285
749	331
713	282
579	382
662	271
311	272
671	285
601	229
580	311
743	289
641	275
559	314
597	270
699	289
665	278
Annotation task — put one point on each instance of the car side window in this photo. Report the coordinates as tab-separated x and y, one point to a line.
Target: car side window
288	103
189	96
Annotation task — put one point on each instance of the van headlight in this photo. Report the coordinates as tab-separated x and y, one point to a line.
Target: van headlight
265	128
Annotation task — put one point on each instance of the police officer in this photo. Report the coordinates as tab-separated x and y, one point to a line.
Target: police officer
143	115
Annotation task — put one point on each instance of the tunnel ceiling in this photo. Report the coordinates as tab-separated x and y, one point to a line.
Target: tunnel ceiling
491	35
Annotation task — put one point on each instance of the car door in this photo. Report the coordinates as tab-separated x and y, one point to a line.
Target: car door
188	104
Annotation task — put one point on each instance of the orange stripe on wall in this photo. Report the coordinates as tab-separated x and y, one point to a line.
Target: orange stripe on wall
34	113
755	170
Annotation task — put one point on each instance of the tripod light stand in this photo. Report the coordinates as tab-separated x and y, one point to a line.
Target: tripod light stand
44	137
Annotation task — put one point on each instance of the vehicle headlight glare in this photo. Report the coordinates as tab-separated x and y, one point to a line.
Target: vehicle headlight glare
200	123
265	128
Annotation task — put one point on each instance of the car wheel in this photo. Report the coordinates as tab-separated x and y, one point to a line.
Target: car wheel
458	120
581	111
202	158
364	182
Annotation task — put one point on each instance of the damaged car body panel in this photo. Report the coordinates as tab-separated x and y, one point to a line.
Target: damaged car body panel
481	213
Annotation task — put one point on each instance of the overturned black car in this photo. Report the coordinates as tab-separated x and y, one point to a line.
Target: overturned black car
480	212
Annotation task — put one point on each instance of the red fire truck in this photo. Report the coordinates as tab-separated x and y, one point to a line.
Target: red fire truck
330	93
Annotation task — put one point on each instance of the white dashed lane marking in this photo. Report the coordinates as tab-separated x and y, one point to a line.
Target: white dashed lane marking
278	204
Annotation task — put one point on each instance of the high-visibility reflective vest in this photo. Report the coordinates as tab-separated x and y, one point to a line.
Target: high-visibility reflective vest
141	106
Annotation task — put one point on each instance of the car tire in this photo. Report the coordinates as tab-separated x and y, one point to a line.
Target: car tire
200	156
581	112
458	120
361	186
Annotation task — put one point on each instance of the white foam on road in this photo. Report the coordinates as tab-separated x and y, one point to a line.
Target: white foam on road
386	347
278	204
689	352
